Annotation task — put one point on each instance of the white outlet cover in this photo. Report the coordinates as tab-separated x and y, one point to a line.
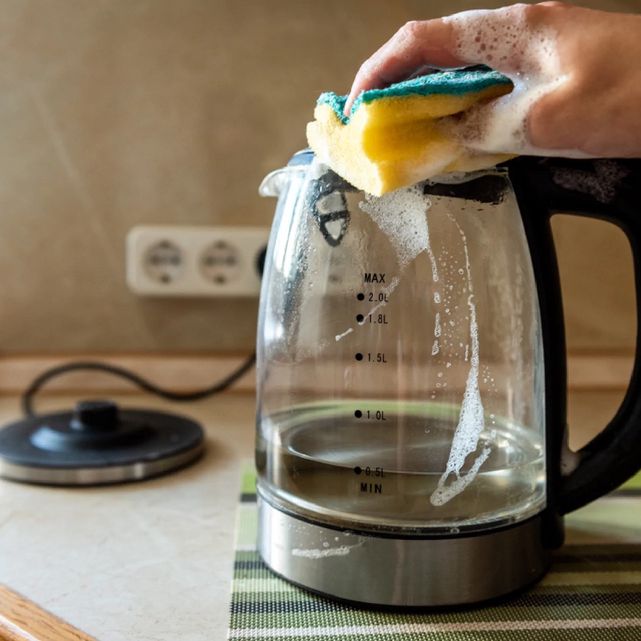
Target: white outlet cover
195	261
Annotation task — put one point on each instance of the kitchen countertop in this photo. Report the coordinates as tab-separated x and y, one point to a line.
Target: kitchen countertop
136	562
152	561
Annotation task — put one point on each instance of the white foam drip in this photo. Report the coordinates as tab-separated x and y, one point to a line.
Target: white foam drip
387	290
432	258
436	347
339	337
402	216
471	418
323	553
399	215
528	55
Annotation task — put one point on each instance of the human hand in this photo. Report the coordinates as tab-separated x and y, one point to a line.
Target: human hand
576	75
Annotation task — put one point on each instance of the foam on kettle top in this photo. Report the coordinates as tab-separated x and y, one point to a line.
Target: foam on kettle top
402	217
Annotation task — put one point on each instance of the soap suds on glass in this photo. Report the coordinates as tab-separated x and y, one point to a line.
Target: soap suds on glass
471	420
401	216
348	331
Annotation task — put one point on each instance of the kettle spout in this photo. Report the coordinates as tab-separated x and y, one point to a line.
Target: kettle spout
273	183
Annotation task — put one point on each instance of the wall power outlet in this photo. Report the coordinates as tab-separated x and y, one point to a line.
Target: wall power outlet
178	260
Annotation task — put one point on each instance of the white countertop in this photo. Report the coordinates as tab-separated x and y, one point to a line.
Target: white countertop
136	562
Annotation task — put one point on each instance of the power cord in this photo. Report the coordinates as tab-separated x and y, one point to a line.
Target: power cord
38	383
180	397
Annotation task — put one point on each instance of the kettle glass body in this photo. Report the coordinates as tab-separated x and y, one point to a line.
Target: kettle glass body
401	404
400	356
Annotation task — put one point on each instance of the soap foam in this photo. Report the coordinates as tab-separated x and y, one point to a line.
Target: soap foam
471	418
342	550
401	216
529	57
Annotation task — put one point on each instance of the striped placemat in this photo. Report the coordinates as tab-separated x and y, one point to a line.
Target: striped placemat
592	593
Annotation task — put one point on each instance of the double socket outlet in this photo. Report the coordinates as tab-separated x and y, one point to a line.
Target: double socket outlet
177	260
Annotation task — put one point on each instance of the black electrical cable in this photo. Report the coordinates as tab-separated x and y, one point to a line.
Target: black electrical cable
180	397
37	384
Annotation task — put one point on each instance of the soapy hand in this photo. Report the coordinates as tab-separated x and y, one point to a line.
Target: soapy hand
576	75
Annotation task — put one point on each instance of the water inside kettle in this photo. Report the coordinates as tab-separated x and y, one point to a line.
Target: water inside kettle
336	468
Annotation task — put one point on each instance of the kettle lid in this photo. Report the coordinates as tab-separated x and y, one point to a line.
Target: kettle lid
302	157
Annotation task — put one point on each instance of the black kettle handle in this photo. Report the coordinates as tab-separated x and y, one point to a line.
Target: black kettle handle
610	190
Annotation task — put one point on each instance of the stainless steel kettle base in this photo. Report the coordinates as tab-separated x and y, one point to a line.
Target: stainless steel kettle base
390	571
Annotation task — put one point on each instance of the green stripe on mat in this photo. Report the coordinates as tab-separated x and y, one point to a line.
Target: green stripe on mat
592	593
303	614
248	484
246	528
273	589
633	484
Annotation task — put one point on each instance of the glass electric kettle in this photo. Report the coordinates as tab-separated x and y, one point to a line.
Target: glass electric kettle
411	381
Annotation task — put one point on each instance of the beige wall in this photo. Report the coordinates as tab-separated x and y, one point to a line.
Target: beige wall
115	113
595	262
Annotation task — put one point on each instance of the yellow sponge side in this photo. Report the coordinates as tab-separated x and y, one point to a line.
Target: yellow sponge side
397	141
341	146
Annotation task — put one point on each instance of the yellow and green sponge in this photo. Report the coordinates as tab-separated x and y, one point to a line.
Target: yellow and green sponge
397	136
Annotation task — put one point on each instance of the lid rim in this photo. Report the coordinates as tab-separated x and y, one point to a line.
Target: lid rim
301	157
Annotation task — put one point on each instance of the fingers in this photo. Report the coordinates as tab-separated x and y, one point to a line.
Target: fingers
414	45
492	37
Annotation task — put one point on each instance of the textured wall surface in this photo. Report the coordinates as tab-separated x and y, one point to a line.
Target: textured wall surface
115	113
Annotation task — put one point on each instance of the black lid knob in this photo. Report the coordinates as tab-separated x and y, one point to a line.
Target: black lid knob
95	416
